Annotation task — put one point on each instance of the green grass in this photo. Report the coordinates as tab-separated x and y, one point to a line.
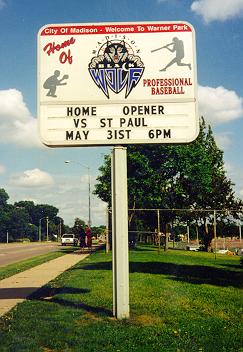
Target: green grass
15	268
179	301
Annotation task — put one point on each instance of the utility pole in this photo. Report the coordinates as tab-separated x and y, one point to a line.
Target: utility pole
40	230
107	247
167	229
215	232
47	229
60	229
240	229
89	222
188	233
159	233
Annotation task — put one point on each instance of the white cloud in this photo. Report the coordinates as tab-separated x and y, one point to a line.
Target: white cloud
235	174
69	195
99	209
213	10
224	140
16	123
32	178
219	105
2	169
228	167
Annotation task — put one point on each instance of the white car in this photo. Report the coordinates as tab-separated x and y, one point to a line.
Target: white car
69	238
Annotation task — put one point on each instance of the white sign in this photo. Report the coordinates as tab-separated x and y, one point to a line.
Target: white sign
124	83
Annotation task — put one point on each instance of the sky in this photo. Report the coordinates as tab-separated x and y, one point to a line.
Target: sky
32	171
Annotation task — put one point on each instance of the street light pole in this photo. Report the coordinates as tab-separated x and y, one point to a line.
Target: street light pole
47	229
40	230
89	186
89	222
59	230
240	229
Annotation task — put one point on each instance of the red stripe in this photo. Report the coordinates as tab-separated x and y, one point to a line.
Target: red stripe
116	29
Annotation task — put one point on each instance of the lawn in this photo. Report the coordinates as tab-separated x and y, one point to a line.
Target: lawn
179	301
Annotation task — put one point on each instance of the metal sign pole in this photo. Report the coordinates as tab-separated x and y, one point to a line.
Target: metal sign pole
159	234
240	230
107	246
120	265
215	233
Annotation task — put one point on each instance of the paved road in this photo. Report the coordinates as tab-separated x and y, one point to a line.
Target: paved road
12	252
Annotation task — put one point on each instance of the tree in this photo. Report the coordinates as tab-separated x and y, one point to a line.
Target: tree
17	222
78	223
3	198
214	189
98	230
23	218
39	212
43	211
183	176
28	205
103	187
32	232
4	219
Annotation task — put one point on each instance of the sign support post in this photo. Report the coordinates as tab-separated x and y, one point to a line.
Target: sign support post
120	261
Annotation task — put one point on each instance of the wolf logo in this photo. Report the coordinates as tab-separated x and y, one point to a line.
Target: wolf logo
116	67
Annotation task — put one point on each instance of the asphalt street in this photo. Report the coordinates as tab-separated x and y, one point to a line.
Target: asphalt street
12	252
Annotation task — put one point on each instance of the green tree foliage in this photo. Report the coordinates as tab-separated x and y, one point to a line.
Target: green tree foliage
66	229
18	222
103	187
3	198
22	219
98	230
183	176
78	223
41	212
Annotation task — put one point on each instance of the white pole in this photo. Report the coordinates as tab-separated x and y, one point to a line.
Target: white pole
159	234
7	236
59	230
107	246
240	230
89	221
40	230
120	234
188	233
197	234
215	232
47	229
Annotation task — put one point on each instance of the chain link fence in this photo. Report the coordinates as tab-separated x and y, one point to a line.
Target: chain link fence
192	229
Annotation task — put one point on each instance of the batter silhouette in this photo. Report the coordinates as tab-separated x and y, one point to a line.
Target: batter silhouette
178	48
52	82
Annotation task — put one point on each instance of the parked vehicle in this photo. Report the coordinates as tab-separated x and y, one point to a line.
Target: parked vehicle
69	239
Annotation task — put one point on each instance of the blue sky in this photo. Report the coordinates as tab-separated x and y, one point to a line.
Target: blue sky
30	171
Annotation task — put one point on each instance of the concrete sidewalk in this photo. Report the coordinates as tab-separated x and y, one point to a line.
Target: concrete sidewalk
17	288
